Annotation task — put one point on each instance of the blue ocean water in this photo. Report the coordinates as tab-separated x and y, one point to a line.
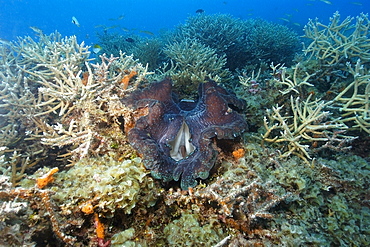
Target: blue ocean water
136	16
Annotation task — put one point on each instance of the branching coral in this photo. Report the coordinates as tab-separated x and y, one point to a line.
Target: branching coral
308	124
355	108
239	197
243	42
52	95
264	41
292	83
193	63
218	31
339	40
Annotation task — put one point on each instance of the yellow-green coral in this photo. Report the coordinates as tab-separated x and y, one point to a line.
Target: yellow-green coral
187	231
107	183
339	41
193	63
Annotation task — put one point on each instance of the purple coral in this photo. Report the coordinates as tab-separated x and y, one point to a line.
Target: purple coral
175	138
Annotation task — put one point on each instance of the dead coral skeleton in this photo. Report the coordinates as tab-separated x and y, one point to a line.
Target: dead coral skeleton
237	201
41	198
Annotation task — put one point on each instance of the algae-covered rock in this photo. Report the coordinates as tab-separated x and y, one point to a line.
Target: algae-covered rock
104	183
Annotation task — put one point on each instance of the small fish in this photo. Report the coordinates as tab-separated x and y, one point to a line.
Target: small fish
357	3
111	27
120	17
130	40
99	26
326	1
199	11
284	19
288	15
297	24
146	32
125	29
96	48
36	29
75	21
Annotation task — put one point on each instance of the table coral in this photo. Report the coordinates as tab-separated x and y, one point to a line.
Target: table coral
175	138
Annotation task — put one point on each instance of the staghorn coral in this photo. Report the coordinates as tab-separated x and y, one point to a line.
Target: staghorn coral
194	62
259	199
308	124
54	96
355	108
339	41
293	83
86	101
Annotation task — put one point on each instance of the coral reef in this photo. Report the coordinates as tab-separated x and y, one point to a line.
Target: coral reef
243	42
175	138
309	124
69	176
355	108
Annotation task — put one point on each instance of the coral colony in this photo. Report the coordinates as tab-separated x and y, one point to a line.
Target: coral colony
153	149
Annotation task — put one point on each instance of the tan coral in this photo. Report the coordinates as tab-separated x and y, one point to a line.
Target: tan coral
339	40
308	123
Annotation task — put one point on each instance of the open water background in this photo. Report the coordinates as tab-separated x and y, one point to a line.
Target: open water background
16	16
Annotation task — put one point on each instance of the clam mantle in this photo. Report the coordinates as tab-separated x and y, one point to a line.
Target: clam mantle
175	137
